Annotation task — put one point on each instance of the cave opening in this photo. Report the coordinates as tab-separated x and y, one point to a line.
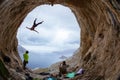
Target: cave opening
99	41
58	37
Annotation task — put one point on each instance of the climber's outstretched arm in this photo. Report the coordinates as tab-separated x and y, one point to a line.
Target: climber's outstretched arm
36	31
28	28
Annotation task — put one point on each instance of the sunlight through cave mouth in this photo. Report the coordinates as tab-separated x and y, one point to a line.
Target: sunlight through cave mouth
59	35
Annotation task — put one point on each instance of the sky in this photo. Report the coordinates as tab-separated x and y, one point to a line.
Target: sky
59	33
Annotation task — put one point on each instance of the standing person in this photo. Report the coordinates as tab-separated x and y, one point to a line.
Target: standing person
26	57
63	68
34	25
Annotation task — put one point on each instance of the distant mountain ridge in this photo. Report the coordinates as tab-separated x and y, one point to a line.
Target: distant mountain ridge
21	49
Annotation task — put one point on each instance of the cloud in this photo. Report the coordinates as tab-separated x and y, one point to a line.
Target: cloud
59	31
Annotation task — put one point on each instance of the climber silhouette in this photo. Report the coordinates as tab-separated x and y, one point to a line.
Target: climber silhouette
34	25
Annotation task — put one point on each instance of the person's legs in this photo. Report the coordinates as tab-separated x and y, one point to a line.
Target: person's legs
24	64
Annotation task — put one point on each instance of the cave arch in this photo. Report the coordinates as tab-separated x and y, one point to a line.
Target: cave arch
58	35
94	17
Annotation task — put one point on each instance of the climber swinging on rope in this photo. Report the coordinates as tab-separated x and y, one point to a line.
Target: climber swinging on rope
34	25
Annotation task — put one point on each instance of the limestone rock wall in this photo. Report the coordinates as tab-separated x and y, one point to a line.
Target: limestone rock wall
99	21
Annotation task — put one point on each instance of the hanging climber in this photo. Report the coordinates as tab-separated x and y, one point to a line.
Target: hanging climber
34	25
